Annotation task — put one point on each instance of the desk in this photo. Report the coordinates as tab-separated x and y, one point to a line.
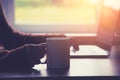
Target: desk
81	66
78	68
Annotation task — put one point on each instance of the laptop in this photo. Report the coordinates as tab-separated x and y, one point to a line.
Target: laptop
108	33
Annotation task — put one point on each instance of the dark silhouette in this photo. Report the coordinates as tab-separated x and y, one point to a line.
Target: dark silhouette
21	51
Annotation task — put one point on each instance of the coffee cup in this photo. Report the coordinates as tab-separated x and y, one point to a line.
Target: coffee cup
58	53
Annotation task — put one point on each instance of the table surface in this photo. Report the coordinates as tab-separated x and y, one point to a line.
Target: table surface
79	67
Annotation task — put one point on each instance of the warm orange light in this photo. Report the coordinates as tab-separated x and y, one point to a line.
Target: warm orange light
115	4
93	1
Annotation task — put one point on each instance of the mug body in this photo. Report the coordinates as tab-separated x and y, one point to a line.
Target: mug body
58	53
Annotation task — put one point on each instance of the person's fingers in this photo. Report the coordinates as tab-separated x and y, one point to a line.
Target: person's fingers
35	45
37	61
36	52
74	43
42	49
42	44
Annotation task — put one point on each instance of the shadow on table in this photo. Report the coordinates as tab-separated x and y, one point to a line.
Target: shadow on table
19	73
57	72
116	64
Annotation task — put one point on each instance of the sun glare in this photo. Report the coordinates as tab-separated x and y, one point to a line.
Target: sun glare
55	12
115	4
93	1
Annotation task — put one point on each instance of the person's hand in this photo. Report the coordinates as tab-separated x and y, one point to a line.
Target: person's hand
74	43
35	52
25	57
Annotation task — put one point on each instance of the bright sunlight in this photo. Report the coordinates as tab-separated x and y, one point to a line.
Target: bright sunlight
55	12
94	1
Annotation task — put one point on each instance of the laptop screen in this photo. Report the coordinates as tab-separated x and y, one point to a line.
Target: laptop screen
107	25
117	32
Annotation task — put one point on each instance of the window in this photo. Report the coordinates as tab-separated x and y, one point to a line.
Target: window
79	16
60	16
42	12
56	15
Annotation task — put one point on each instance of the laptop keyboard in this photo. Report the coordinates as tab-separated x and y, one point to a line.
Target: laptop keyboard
88	50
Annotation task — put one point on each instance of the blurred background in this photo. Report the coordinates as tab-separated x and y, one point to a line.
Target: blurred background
55	11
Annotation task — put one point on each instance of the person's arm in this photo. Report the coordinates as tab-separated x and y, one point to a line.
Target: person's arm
11	39
22	58
41	37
